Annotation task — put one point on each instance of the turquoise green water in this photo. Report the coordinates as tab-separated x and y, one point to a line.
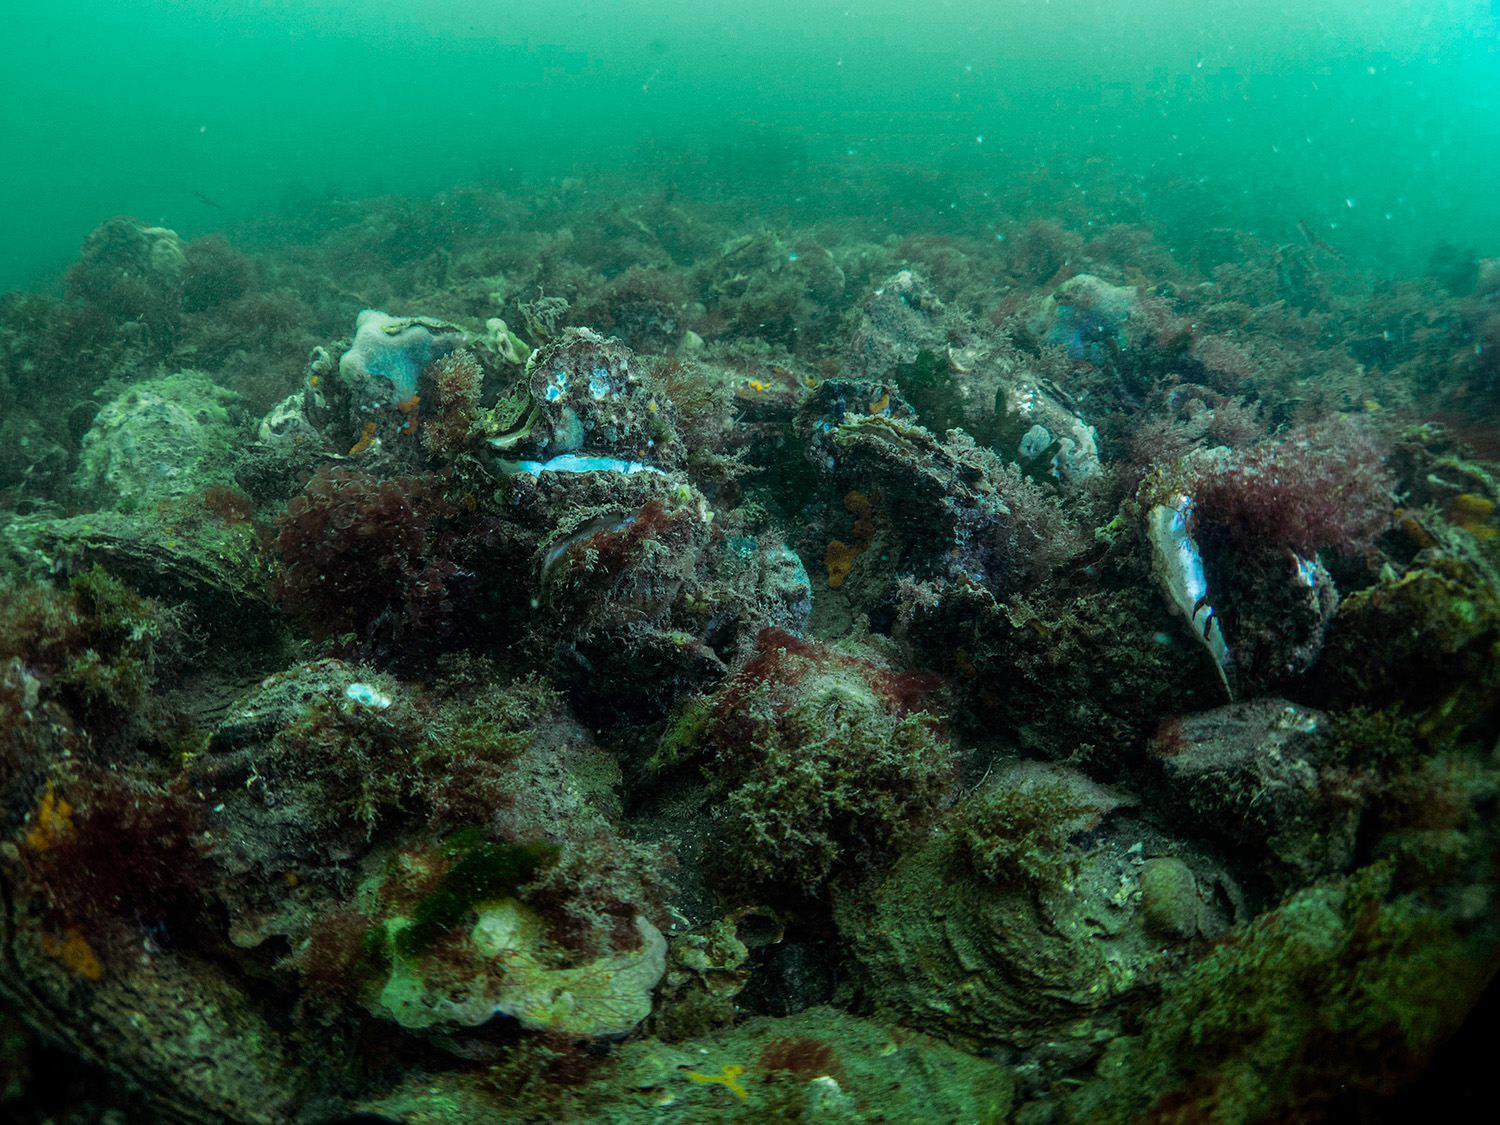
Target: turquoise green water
662	562
1375	123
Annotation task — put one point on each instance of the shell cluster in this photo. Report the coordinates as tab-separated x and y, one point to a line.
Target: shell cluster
589	405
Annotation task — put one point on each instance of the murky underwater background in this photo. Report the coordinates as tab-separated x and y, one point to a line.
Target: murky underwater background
1373	121
679	562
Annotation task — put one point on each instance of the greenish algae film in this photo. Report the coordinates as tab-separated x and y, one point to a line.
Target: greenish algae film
828	563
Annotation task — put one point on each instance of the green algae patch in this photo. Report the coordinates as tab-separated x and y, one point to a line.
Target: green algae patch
483	871
1425	638
819	1065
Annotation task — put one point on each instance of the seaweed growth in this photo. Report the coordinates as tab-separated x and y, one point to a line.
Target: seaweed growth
368	560
822	763
115	854
1318	488
97	646
1012	833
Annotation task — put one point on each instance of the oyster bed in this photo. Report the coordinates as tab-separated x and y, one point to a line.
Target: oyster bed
520	659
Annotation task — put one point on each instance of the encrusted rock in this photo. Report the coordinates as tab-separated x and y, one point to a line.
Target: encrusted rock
160	438
1170	905
956	373
507	966
996	930
637	594
1252	775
